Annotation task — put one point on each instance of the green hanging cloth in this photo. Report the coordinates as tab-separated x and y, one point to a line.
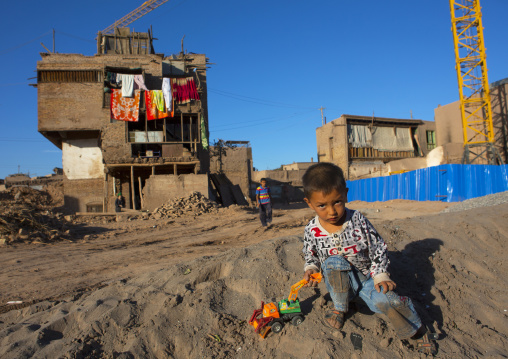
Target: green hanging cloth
204	139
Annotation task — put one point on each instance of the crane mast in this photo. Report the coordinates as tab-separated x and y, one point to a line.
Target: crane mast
134	15
474	91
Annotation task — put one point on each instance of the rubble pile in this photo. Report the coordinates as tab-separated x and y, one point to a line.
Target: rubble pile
195	204
26	216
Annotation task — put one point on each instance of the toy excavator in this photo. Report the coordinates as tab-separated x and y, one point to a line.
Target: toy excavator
274	316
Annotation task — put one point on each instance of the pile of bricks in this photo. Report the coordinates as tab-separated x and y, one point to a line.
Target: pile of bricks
195	204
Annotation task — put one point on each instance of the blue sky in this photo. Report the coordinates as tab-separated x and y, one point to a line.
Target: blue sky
276	64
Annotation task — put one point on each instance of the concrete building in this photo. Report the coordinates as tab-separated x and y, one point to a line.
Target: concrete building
148	158
363	145
449	124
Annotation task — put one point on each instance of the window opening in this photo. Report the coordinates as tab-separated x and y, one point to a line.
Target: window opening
46	76
431	140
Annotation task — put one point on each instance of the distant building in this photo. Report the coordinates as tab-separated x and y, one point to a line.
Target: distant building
17	179
296	166
113	141
363	145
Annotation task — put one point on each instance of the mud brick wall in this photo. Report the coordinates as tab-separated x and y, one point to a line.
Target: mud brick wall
449	121
293	176
285	185
236	165
332	144
160	189
114	145
79	193
448	124
71	106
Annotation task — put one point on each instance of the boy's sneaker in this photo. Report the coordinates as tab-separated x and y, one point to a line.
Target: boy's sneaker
334	319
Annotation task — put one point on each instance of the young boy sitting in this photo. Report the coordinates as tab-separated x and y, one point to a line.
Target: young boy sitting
344	245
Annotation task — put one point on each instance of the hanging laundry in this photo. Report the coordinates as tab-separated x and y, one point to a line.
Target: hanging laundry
111	80
152	112
139	83
158	98
127	85
184	90
124	108
204	138
166	90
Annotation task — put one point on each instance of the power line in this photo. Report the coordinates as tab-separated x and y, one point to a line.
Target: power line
256	121
263	122
11	139
74	36
254	100
14	84
6	51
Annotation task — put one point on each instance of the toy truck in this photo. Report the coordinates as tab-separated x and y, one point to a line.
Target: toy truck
273	315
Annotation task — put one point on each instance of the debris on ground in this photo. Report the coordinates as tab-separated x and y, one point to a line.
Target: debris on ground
194	204
26	216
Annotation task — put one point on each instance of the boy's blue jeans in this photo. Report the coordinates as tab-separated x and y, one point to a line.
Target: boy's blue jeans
344	282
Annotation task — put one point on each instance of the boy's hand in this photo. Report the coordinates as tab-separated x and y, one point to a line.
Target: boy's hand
306	276
387	285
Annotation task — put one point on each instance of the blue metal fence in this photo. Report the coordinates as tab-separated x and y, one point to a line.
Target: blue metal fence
447	183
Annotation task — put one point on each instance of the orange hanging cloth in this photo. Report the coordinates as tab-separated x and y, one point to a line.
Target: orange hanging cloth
124	108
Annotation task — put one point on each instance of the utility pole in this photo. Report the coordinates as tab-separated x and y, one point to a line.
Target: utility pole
323	122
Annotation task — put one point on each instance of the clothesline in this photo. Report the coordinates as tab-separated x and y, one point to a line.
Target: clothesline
159	103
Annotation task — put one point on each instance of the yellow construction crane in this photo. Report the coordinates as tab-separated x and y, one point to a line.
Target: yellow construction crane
474	91
134	15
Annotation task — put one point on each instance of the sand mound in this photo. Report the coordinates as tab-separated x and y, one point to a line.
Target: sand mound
452	265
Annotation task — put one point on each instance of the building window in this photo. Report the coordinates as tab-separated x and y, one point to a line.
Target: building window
94	208
431	140
69	76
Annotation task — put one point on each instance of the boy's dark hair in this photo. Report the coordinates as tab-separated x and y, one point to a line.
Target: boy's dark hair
323	177
263	179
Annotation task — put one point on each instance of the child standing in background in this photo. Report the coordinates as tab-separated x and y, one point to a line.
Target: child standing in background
264	202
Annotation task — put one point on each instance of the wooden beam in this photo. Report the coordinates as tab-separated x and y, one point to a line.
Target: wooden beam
133	198
181	123
105	196
141	193
190	133
151	164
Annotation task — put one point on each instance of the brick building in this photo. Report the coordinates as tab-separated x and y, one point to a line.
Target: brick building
363	145
148	158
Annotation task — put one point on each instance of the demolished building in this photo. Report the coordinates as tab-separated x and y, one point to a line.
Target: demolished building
363	145
128	120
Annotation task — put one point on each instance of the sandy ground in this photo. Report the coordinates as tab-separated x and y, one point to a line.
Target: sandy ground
158	288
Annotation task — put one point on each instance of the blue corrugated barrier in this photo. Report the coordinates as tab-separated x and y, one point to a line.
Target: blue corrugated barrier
447	183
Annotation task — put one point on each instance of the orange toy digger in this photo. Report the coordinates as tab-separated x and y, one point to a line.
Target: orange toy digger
275	314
